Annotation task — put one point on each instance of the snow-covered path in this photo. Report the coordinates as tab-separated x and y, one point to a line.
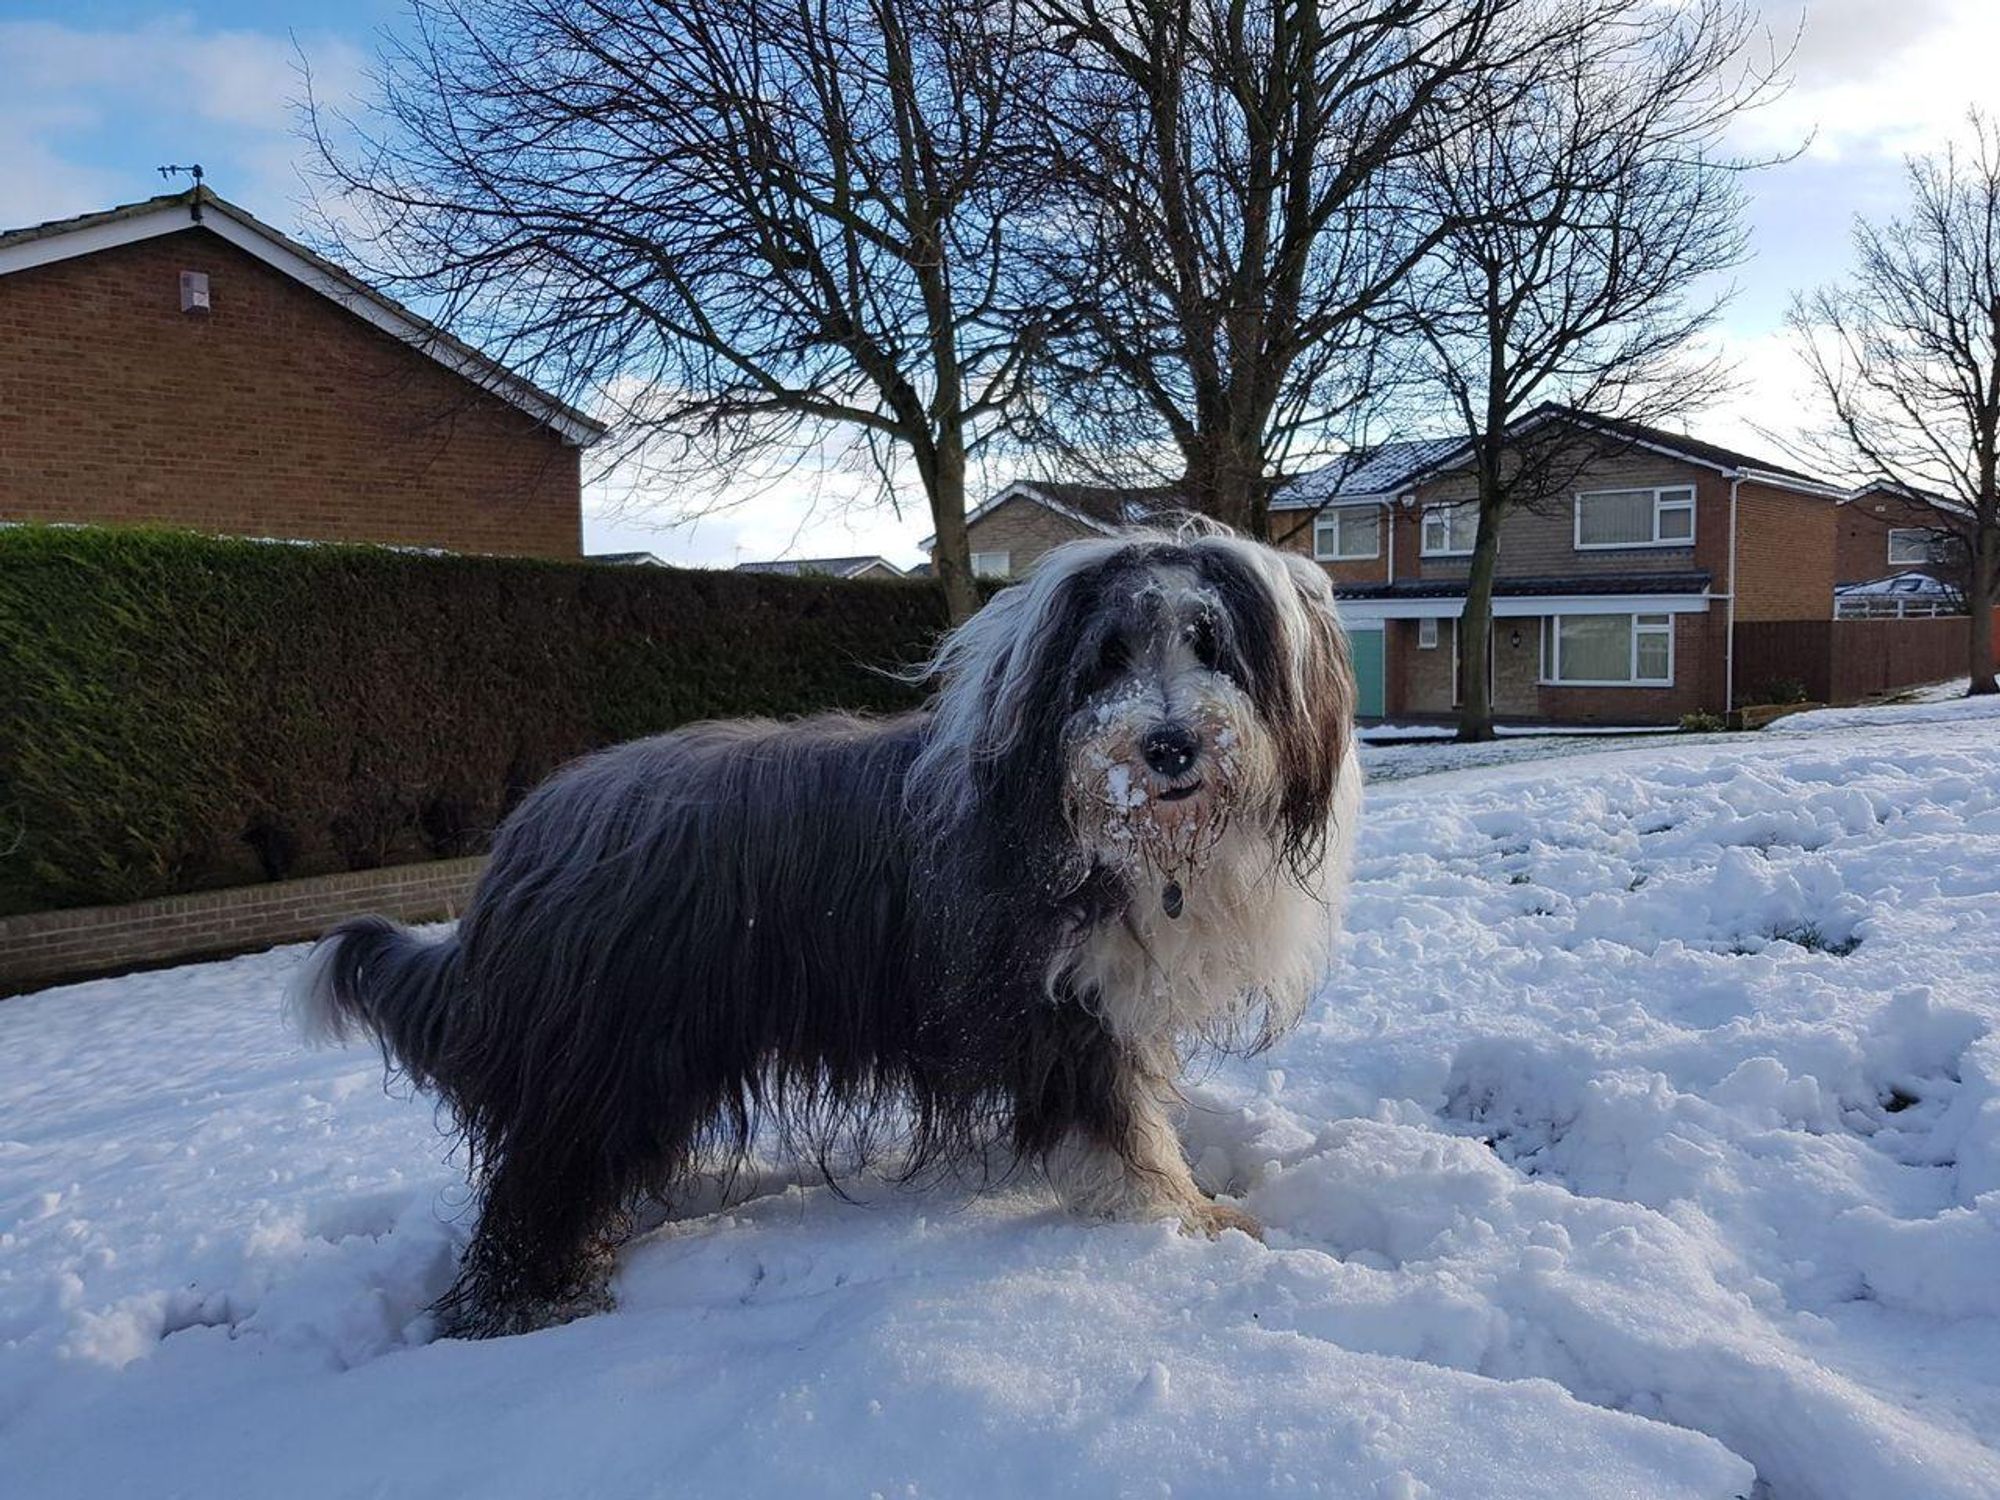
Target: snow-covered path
1645	1143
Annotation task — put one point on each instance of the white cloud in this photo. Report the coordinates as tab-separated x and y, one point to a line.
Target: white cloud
86	115
1882	77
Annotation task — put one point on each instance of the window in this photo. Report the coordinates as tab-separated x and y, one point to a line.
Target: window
992	564
1636	518
1427	633
1347	533
1450	530
1608	650
1914	544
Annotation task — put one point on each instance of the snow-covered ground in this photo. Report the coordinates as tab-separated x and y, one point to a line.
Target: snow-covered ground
1646	1143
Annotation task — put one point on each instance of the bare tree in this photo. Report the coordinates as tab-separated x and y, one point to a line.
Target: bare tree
1232	209
1907	355
1584	228
739	225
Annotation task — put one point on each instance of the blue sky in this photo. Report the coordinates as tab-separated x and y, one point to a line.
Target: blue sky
95	94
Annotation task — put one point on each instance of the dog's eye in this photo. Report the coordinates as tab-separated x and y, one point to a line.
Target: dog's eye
1199	633
1111	662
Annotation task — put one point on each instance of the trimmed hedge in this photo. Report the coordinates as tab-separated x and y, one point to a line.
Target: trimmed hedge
180	712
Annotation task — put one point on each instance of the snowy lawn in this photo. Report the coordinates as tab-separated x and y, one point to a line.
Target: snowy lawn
1646	1143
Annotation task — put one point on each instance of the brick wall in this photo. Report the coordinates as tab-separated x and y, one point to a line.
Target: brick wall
1293	531
1426	677
45	948
277	413
1784	555
1697	685
1861	552
1542	542
1024	530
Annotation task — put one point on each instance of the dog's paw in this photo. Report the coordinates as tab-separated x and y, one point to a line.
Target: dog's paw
1211	1218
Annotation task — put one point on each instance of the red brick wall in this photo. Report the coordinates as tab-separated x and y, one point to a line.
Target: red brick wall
1784	555
1862	548
47	947
1698	659
277	413
1293	531
1024	530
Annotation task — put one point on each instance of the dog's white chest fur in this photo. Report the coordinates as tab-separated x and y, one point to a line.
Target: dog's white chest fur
1248	949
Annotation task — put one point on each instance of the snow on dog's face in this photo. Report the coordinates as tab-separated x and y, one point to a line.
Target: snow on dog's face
1166	745
1152	692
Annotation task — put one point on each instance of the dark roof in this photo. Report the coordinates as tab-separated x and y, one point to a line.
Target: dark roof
1677	442
419	332
1378	470
836	567
627	559
1516	588
49	227
1111	504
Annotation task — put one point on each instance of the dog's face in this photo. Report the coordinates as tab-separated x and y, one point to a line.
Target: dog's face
1156	692
1164	746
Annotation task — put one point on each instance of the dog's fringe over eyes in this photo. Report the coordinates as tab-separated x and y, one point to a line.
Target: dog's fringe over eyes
987	932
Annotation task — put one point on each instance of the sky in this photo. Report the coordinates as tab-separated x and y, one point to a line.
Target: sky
95	95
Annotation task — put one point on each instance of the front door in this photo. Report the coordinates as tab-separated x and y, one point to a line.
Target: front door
1366	647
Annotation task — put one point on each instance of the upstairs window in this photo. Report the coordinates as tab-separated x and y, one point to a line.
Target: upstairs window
1450	530
1914	544
1347	533
1636	518
992	564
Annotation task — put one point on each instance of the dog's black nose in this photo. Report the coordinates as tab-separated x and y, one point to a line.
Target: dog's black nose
1170	748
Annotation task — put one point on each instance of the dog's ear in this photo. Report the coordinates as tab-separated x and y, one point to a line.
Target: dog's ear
1315	725
1004	677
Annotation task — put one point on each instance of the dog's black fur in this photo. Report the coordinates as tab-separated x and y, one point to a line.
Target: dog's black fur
820	926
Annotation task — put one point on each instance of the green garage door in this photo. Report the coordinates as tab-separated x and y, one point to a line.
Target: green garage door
1367	648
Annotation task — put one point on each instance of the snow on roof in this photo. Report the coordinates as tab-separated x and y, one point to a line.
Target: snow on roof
1917	584
837	567
1364	473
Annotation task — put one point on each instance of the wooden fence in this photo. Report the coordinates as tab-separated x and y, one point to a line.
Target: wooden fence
1844	661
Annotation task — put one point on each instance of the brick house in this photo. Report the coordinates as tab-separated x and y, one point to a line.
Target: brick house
826	567
1892	562
1663	570
1617	601
1026	519
177	362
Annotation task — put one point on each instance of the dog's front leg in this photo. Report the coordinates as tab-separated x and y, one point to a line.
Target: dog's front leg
1134	1168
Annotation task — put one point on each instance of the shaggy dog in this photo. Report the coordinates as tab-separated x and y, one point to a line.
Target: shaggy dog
996	926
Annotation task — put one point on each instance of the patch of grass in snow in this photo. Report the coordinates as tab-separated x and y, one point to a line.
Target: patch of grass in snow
1807	935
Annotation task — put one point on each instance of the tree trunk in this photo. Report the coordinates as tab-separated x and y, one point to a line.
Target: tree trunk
951	553
1475	623
1222	481
1475	632
1981	586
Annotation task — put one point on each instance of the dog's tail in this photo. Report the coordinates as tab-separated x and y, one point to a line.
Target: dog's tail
370	976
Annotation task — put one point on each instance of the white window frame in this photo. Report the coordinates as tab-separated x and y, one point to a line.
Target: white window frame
1683	499
1427	633
1329	520
983	566
1927	546
1445	511
1652	623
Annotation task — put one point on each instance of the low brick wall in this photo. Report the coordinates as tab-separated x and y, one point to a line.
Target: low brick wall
43	948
